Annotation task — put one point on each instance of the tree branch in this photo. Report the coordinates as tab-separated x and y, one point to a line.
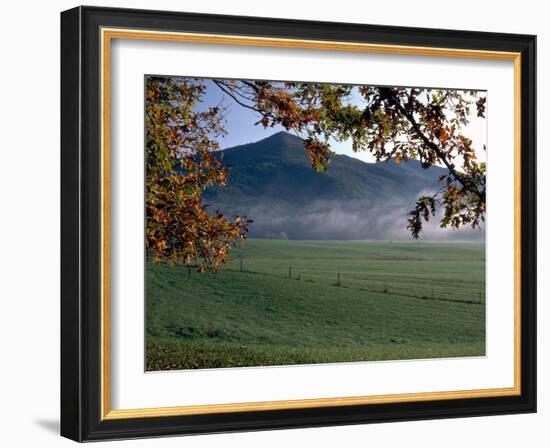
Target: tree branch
227	91
466	183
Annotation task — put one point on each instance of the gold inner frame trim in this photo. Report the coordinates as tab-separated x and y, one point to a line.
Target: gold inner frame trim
107	35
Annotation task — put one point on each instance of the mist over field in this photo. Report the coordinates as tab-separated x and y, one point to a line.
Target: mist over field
330	221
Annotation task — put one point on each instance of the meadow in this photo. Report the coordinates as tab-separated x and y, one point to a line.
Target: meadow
280	302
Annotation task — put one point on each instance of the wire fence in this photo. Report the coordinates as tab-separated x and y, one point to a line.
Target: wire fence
404	286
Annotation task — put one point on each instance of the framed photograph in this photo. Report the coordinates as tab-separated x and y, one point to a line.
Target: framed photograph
273	223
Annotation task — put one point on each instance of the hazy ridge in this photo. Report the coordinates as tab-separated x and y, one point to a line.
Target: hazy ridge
271	181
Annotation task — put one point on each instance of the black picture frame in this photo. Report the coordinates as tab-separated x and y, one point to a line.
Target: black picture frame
81	224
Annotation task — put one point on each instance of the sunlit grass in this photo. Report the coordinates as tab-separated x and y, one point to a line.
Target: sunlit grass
269	314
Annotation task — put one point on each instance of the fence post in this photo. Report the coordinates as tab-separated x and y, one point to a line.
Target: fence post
338	282
241	265
289	271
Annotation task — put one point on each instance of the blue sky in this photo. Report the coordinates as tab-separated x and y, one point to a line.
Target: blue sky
240	121
241	129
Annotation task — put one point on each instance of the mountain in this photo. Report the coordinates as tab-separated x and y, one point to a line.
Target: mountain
271	182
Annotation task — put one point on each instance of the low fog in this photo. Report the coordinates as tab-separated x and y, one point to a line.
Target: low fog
355	221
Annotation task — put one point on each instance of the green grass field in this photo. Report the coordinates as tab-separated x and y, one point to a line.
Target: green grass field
282	302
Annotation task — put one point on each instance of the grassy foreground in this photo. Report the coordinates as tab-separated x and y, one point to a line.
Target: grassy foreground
289	306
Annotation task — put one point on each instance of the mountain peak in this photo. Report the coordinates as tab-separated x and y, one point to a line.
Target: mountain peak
281	136
271	181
